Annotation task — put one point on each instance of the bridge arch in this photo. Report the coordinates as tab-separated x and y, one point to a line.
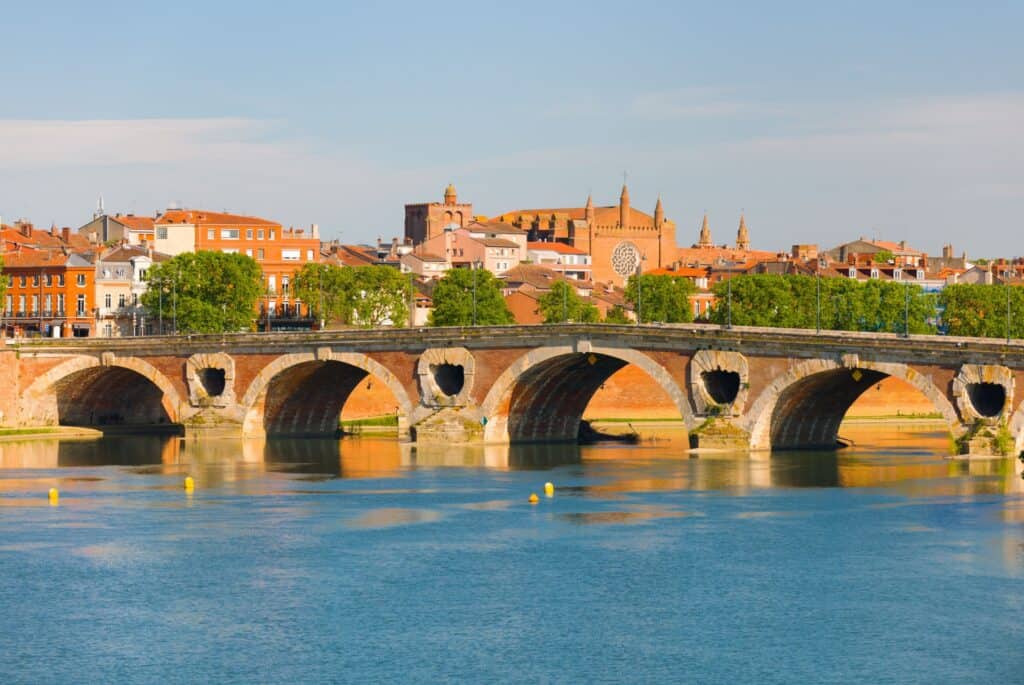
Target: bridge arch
106	391
804	407
543	394
304	393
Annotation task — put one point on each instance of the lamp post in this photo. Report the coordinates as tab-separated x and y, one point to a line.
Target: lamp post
906	311
817	287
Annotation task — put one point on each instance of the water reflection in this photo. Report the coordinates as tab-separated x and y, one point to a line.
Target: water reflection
912	461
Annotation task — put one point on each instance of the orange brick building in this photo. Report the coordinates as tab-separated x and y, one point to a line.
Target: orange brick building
428	220
279	251
49	293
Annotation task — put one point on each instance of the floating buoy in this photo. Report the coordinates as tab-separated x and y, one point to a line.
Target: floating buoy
549	489
190	484
533	498
54	496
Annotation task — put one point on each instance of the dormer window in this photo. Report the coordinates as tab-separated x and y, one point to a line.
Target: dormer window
852	273
874	273
897	274
920	274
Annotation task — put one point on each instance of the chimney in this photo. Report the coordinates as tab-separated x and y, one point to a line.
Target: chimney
314	230
947	251
903	244
65	234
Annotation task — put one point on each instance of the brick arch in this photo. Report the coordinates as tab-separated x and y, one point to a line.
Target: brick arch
562	380
815	396
41	401
346	370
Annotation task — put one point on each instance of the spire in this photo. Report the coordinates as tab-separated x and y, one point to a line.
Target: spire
624	207
742	235
705	234
659	214
588	211
449	194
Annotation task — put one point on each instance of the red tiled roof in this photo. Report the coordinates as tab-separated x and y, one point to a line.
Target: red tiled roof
191	216
560	248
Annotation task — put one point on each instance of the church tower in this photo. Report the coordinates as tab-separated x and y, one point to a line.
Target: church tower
742	235
624	207
705	234
449	194
659	214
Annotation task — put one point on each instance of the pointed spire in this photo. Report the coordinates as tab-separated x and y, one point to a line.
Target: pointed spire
588	212
659	213
743	235
449	194
624	207
705	234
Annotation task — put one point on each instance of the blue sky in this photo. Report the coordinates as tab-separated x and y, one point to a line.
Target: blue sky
822	121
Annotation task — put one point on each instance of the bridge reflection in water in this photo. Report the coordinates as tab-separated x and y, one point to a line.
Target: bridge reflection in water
911	461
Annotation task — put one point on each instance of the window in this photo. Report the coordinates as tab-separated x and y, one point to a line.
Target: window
48	303
121	300
81	305
60	304
10	281
259	253
106	301
35	304
290	255
897	274
80	280
21	281
229	251
248	234
248	252
35	279
874	273
21	304
209	233
272	284
135	299
10	303
161	233
284	285
272	233
60	280
852	273
920	274
229	234
108	331
309	255
49	280
259	234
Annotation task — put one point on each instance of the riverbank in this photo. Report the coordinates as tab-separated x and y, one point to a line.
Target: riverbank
49	432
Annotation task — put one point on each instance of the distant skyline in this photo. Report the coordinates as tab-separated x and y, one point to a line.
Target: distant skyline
824	122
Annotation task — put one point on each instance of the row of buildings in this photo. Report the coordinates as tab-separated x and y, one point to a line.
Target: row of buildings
89	281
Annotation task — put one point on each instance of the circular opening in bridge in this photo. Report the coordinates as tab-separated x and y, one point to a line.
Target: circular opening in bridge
449	377
723	386
987	398
213	381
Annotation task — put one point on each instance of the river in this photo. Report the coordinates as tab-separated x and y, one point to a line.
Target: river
365	560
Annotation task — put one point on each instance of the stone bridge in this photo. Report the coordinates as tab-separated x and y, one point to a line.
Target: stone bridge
741	387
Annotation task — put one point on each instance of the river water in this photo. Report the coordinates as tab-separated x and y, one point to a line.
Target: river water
366	560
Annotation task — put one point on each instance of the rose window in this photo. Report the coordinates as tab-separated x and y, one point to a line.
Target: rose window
625	259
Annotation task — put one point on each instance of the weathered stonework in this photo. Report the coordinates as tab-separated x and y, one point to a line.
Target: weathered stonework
982	373
712	361
197	394
431	393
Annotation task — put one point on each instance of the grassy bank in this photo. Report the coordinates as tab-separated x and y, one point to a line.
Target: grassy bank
48	432
372	424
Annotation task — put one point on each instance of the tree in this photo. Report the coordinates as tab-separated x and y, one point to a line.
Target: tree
883	257
563	304
980	310
661	297
3	280
455	294
845	304
324	288
616	315
377	295
207	292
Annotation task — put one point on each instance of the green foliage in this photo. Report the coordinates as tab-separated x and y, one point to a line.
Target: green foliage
563	304
3	280
846	305
454	297
661	297
980	310
883	257
366	296
214	292
616	315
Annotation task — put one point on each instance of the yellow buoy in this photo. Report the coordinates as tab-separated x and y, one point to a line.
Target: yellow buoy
549	489
190	484
54	496
533	498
